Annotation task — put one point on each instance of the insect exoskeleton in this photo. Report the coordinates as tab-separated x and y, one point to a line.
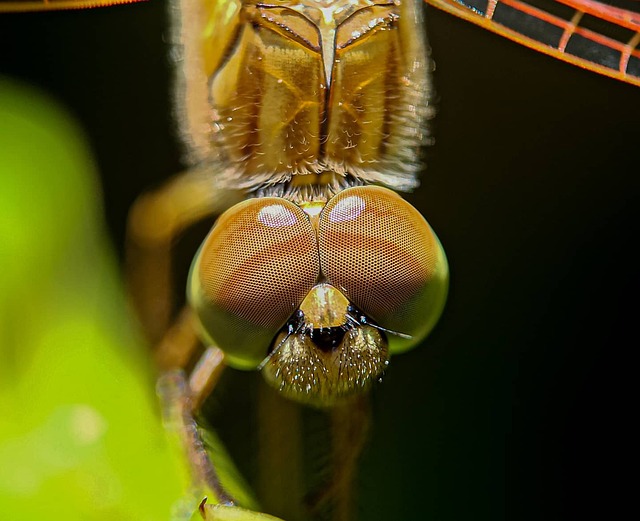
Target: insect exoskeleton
319	295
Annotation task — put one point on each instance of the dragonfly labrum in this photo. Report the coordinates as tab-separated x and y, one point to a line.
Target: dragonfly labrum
308	112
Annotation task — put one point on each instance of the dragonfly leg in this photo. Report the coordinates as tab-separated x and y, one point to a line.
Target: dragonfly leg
176	350
350	423
205	376
179	343
155	221
179	401
281	479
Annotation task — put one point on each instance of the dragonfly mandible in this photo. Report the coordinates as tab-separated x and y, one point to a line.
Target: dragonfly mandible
444	92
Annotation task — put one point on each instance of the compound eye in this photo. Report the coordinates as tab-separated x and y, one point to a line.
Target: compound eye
383	255
251	273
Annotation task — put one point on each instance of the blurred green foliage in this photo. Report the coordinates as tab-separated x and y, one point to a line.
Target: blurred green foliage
80	436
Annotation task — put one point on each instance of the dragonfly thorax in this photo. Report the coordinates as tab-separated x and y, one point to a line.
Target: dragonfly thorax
309	87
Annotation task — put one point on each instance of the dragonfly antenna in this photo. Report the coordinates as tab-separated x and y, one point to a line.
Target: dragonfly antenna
376	326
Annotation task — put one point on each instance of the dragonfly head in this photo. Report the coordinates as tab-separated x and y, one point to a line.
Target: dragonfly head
313	296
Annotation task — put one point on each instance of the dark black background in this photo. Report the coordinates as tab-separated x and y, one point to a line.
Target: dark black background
519	405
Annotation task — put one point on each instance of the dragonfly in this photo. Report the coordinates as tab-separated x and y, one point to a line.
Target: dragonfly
626	80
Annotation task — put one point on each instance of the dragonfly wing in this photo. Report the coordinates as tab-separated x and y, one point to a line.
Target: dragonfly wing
8	6
596	36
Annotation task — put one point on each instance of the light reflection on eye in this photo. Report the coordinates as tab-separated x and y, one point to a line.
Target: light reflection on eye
276	216
348	209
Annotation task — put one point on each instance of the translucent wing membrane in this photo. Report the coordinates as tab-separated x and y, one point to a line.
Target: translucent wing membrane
55	5
600	37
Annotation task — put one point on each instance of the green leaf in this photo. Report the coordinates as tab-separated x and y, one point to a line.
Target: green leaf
80	435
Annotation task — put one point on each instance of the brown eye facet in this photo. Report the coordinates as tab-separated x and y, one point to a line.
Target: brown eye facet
379	250
251	274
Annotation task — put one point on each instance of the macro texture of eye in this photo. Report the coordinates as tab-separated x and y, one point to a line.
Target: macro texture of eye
379	250
251	274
